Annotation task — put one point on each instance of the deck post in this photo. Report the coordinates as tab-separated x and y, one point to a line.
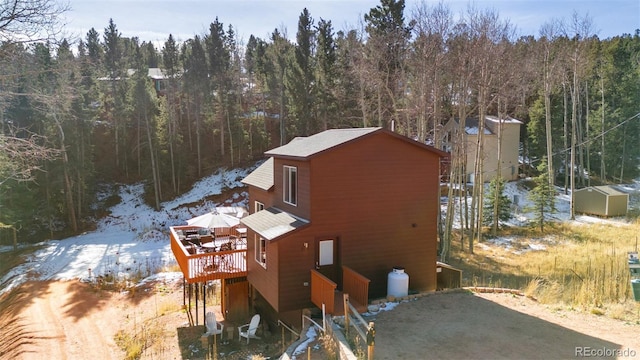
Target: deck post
204	305
189	297
197	294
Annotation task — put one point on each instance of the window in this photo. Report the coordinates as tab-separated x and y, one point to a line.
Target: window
261	251
290	187
325	256
259	206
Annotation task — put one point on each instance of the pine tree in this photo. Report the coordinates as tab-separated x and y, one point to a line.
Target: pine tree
301	82
496	193
542	196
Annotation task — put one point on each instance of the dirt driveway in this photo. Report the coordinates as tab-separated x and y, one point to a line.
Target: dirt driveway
70	320
463	325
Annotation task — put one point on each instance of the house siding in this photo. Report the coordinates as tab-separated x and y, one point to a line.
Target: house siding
510	149
256	194
301	209
376	196
295	274
266	281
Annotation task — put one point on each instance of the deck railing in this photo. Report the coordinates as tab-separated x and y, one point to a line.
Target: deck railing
322	291
203	266
356	285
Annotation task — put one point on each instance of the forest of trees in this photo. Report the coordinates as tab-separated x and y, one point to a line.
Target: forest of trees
77	113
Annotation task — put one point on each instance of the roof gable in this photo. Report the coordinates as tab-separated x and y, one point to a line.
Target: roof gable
604	189
262	177
471	124
305	147
507	120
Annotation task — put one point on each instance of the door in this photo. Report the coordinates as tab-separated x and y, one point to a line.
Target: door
327	259
235	299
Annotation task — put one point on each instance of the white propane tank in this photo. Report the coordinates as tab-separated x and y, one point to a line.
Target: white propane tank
398	282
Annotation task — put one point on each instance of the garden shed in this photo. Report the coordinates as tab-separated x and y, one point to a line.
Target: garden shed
601	201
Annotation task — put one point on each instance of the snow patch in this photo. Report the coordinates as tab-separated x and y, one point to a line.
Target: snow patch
132	241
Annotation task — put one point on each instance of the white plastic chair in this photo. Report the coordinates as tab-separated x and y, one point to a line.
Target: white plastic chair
248	331
213	327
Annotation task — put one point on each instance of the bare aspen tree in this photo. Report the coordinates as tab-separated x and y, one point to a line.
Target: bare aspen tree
579	31
27	21
363	69
24	21
550	63
603	173
428	68
489	35
461	71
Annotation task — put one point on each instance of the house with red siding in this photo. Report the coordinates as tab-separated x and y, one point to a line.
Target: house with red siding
344	206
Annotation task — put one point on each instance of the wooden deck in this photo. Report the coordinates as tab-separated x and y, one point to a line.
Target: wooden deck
222	257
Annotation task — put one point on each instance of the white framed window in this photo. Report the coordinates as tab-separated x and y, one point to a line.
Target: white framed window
258	206
290	185
261	251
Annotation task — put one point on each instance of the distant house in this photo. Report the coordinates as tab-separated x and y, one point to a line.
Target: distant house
159	78
509	150
601	201
339	208
157	75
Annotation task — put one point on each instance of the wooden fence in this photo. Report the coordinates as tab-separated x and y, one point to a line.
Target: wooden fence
322	291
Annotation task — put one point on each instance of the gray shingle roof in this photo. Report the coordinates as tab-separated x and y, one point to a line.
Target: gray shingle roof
262	177
607	190
272	222
307	146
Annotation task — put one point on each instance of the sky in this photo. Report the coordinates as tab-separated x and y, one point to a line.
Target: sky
154	20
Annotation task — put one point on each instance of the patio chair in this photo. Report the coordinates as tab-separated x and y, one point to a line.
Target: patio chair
205	239
248	331
213	327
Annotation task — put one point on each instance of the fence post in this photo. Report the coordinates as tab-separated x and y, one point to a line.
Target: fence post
371	340
345	298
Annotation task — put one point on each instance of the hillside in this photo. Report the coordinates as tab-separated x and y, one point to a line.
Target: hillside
131	241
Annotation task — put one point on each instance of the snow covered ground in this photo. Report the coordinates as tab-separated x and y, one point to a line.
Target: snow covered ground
521	205
132	239
522	214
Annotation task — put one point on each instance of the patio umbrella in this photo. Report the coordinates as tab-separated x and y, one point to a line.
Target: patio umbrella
214	220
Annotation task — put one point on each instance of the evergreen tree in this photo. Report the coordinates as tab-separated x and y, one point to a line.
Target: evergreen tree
386	55
196	90
326	76
496	193
300	79
115	67
542	196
